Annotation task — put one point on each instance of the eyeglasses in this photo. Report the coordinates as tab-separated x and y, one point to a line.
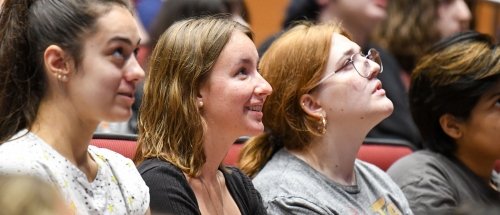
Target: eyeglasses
360	64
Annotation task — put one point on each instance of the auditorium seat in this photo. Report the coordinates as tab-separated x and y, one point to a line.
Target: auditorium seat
384	152
125	144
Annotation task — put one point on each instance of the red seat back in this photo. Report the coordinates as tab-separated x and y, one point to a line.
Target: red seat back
383	152
124	144
380	152
233	155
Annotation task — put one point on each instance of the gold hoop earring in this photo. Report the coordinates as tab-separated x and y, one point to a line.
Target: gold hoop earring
322	125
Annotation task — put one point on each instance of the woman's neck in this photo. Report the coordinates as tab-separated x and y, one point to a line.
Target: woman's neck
333	156
66	133
480	165
216	147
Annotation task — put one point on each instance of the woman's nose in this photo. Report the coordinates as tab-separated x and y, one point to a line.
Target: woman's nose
134	70
463	12
375	69
263	87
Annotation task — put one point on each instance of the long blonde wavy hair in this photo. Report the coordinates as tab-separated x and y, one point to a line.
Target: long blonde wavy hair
170	124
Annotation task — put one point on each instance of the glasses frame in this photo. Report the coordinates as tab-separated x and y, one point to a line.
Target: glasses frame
372	55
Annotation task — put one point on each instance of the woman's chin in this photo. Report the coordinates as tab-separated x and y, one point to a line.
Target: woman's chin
119	116
386	110
254	130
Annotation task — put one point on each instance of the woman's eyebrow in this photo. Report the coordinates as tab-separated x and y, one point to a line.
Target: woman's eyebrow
123	39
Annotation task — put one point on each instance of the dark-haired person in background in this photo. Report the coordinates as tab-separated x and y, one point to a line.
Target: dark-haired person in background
455	101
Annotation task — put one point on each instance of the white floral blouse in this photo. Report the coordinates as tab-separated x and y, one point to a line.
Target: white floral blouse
117	189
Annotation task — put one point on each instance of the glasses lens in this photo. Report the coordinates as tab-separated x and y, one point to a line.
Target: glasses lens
375	57
361	64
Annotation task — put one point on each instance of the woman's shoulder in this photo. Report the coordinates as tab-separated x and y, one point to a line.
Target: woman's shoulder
25	153
422	161
21	143
156	165
423	169
281	164
122	168
112	159
123	171
161	174
372	174
243	191
236	176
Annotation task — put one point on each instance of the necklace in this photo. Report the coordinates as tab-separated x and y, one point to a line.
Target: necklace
218	210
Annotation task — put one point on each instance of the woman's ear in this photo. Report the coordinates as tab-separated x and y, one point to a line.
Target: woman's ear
57	62
311	106
451	126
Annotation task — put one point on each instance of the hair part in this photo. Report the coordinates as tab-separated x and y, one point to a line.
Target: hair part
450	79
177	10
28	27
293	65
170	124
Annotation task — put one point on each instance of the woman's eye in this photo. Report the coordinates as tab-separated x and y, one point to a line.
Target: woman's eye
136	51
347	63
242	71
118	53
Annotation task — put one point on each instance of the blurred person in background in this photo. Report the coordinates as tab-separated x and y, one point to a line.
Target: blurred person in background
455	101
414	26
28	195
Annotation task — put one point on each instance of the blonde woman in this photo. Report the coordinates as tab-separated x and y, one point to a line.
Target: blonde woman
203	91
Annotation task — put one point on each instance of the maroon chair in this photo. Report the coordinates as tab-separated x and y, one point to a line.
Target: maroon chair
124	144
233	155
378	151
384	152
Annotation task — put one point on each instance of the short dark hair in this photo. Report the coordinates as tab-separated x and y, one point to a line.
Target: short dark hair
450	79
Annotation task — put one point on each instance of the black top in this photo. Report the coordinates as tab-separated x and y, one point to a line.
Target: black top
171	194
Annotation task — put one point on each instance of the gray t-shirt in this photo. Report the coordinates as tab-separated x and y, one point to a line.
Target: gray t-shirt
288	185
435	184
